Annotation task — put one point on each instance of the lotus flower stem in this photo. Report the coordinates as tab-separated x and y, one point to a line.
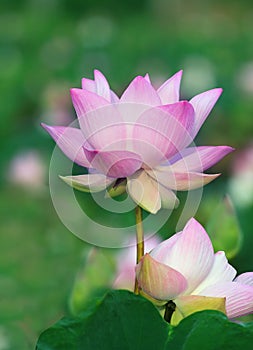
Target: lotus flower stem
139	240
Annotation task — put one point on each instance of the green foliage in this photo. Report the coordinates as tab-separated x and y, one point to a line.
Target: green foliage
93	278
38	261
122	320
210	330
224	229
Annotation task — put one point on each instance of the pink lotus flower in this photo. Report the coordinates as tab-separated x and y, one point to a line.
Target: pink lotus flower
185	270
139	142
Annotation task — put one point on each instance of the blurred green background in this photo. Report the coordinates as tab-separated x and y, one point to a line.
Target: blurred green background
46	48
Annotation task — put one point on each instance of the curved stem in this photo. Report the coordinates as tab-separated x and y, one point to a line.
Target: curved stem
139	240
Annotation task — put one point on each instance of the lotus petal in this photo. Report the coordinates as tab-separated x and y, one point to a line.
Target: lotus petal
141	91
198	159
99	86
239	297
221	271
168	198
181	181
85	101
144	191
190	252
70	140
147	77
158	280
89	182
203	104
245	278
104	129
169	91
89	84
117	164
161	132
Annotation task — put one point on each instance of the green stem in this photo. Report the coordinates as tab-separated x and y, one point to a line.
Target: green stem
139	241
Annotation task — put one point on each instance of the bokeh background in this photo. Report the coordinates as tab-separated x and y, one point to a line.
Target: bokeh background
46	48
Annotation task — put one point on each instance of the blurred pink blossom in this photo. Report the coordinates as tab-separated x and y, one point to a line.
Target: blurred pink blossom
241	181
56	105
27	169
244	78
